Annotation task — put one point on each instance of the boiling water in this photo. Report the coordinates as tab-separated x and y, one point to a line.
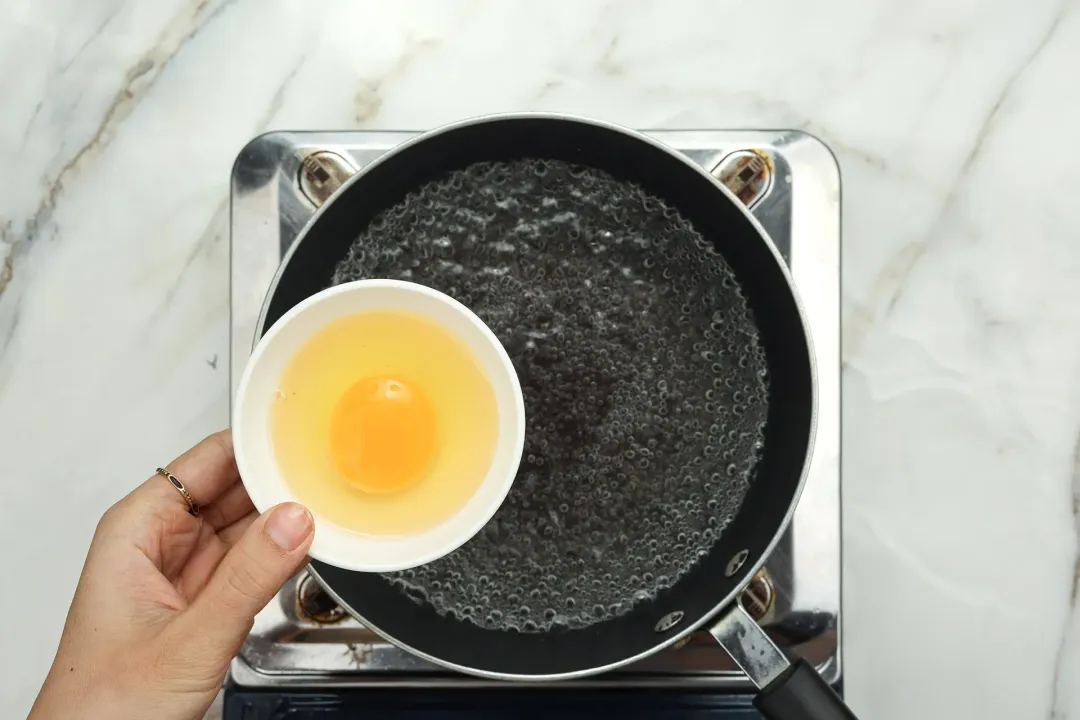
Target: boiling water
644	379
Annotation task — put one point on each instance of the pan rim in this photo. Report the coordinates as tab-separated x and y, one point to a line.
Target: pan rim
749	570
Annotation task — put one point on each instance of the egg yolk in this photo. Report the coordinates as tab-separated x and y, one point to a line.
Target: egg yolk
383	434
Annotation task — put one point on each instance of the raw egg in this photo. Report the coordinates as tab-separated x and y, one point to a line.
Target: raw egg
383	434
384	423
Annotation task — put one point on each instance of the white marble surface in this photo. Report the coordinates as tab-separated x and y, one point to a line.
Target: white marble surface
956	128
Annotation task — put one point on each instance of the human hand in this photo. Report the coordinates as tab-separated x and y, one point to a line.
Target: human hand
166	598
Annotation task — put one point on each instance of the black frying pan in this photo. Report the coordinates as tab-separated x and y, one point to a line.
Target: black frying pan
707	593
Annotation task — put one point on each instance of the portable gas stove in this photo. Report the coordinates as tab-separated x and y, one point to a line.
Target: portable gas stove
306	657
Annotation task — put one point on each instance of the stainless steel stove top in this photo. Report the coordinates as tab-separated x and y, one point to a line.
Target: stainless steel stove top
791	182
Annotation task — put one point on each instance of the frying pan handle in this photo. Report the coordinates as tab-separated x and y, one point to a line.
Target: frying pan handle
787	691
800	693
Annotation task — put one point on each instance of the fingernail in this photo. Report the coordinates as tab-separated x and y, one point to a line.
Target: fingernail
289	525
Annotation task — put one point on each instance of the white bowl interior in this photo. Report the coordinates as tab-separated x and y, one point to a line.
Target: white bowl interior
252	436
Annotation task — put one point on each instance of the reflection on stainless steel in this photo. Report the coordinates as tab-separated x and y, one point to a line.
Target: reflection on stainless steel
746	173
750	647
799	208
322	174
757	598
315	604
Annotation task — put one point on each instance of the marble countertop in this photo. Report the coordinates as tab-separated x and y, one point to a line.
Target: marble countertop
955	127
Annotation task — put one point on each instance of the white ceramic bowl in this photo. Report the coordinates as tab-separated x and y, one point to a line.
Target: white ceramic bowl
255	452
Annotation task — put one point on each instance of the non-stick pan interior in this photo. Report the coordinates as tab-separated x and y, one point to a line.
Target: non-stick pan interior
564	584
641	369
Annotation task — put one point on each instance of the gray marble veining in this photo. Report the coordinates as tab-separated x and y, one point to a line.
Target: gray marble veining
955	128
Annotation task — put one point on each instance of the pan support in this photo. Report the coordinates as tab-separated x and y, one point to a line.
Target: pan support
790	183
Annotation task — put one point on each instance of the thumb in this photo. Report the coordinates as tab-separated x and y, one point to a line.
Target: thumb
251	573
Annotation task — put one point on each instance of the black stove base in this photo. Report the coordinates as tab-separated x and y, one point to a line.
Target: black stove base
481	704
